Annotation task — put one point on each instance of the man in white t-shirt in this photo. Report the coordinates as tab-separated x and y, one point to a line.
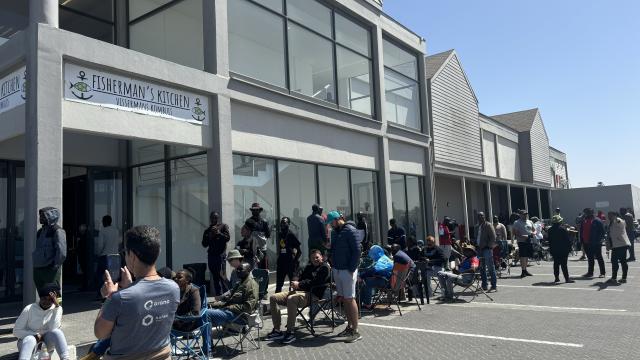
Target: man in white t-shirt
108	243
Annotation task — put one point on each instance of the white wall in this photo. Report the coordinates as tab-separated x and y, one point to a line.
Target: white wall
268	133
449	198
406	159
489	153
508	159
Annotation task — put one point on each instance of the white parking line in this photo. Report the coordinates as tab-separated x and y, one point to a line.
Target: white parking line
558	287
542	308
440	332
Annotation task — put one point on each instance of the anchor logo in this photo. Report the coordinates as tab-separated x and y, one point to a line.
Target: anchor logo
24	86
80	86
197	111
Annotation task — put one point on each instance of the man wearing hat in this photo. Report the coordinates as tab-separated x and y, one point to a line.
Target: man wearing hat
317	230
559	247
345	256
262	227
465	273
523	232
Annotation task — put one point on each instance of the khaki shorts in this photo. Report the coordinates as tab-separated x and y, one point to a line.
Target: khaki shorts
345	283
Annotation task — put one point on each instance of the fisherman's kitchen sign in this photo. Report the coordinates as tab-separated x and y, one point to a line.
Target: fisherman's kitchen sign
84	84
13	89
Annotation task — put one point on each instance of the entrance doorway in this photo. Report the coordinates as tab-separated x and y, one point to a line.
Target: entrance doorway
88	195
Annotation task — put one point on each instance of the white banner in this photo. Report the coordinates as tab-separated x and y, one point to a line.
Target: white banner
13	90
87	85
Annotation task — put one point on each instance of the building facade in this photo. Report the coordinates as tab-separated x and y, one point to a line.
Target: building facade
492	164
158	112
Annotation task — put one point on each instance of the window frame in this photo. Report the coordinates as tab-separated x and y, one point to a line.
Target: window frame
418	81
334	45
421	197
112	23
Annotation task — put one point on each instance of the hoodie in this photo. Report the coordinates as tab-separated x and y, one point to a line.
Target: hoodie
35	320
51	242
382	265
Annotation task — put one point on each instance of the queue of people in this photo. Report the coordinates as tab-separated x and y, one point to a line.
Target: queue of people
144	305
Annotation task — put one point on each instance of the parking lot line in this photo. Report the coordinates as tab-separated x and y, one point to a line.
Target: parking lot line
558	287
480	336
565	309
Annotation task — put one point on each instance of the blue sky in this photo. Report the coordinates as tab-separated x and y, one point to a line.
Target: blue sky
577	61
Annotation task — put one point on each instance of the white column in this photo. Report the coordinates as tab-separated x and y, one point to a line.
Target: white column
219	155
43	12
539	204
489	202
526	202
463	181
43	134
509	199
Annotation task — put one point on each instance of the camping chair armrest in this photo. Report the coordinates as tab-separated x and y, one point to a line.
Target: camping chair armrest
188	317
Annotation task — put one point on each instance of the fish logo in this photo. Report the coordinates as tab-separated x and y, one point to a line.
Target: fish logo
24	86
81	86
198	113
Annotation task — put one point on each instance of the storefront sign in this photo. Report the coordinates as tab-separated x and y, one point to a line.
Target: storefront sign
13	90
87	85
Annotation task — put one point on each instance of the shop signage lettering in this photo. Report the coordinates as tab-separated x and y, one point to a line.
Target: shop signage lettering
13	89
96	87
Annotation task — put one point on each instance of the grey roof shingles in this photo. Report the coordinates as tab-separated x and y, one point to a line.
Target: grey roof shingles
520	120
433	63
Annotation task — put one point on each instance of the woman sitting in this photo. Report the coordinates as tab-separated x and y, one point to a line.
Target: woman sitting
190	302
40	322
376	275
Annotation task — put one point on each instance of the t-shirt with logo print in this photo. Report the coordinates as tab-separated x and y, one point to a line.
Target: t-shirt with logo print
143	314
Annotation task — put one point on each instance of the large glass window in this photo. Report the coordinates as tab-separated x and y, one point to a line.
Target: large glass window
254	30
354	81
311	14
92	18
399	199
408	210
4	232
296	194
414	208
319	50
148	194
189	208
175	33
364	187
14	16
311	64
333	183
402	94
254	181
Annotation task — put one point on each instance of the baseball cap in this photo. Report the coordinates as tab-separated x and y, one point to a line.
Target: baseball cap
332	215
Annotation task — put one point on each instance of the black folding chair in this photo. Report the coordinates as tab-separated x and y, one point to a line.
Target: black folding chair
316	306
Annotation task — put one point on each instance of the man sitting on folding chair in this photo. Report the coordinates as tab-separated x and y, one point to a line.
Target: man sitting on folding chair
242	299
465	274
312	282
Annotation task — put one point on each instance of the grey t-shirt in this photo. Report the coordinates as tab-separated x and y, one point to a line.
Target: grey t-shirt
521	229
143	314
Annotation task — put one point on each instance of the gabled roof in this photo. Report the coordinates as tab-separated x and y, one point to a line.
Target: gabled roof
435	63
520	121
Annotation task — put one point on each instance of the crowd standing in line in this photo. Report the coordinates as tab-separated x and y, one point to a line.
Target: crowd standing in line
125	332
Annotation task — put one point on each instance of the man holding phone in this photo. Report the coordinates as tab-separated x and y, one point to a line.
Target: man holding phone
138	315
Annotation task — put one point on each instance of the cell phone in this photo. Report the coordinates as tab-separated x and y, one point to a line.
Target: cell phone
114	264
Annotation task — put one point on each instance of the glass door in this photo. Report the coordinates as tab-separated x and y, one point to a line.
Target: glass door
11	230
105	199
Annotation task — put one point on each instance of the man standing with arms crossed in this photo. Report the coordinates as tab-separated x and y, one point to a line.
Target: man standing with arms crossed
523	233
345	256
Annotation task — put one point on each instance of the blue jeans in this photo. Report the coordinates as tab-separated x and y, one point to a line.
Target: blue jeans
219	317
53	339
367	289
486	256
101	346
